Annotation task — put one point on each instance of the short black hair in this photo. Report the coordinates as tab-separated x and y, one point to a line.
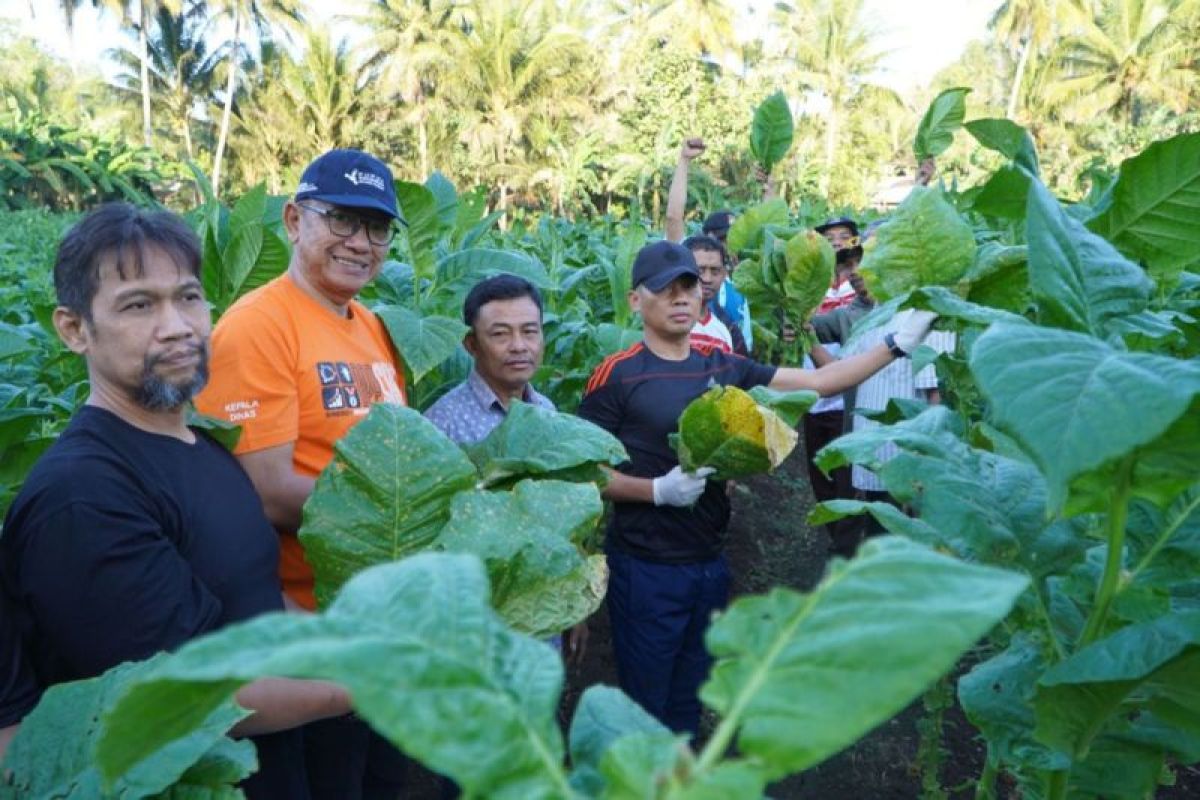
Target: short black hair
122	230
704	243
504	286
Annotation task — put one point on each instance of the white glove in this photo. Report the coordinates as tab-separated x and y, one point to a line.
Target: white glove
679	488
911	327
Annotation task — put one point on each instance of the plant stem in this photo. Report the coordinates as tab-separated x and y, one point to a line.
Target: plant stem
936	700
985	788
1117	515
1056	785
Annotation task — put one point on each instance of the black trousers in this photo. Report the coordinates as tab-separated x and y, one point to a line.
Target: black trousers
346	760
820	430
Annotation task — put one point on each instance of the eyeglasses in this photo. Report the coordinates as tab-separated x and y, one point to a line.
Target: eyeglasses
379	231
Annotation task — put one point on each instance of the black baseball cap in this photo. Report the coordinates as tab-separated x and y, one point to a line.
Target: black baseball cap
660	263
717	222
838	222
350	178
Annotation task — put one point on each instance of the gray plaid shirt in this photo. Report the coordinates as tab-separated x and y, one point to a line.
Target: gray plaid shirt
470	411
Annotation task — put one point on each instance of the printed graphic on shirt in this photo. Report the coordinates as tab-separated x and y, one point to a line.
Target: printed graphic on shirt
348	388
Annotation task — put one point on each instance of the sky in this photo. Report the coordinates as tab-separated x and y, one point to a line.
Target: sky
919	36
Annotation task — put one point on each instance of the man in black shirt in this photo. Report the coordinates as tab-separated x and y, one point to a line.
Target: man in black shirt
666	534
134	532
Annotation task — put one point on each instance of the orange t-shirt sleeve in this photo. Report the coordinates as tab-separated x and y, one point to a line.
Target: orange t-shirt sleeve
253	381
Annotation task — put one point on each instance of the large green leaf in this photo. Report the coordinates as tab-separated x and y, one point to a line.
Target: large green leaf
924	243
13	342
445	198
1007	138
419	208
423	342
51	757
1079	281
539	442
944	116
771	131
980	505
789	406
1076	696
999	278
1077	405
530	541
997	696
746	231
604	716
245	240
1003	195
426	660
1155	205
810	263
461	270
799	677
385	495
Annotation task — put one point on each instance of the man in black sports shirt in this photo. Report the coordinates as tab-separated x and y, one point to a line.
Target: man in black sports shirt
666	534
134	532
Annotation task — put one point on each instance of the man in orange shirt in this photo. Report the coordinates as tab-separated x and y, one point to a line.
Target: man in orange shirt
297	363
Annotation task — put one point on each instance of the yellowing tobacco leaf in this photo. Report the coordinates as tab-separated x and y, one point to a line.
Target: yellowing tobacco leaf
726	429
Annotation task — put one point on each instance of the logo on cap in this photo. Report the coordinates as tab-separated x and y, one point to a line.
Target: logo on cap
357	176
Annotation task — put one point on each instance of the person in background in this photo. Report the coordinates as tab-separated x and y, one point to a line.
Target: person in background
665	537
134	532
297	363
715	327
733	306
825	421
504	318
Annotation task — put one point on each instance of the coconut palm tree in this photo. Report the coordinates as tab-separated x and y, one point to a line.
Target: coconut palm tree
704	27
1029	28
247	16
409	45
515	68
181	69
326	93
833	53
1127	56
146	11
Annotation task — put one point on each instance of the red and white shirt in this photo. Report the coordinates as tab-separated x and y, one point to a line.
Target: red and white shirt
840	294
710	332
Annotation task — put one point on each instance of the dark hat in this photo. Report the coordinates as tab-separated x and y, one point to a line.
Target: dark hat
838	222
350	178
717	222
660	263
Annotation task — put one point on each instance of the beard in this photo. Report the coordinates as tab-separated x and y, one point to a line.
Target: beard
157	394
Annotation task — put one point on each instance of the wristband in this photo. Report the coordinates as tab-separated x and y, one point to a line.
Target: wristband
890	340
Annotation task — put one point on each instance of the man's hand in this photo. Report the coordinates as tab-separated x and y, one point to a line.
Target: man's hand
691	148
911	327
679	488
925	171
860	287
575	644
766	181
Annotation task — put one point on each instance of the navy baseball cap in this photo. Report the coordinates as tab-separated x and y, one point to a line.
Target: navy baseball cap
660	263
838	222
717	222
350	178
